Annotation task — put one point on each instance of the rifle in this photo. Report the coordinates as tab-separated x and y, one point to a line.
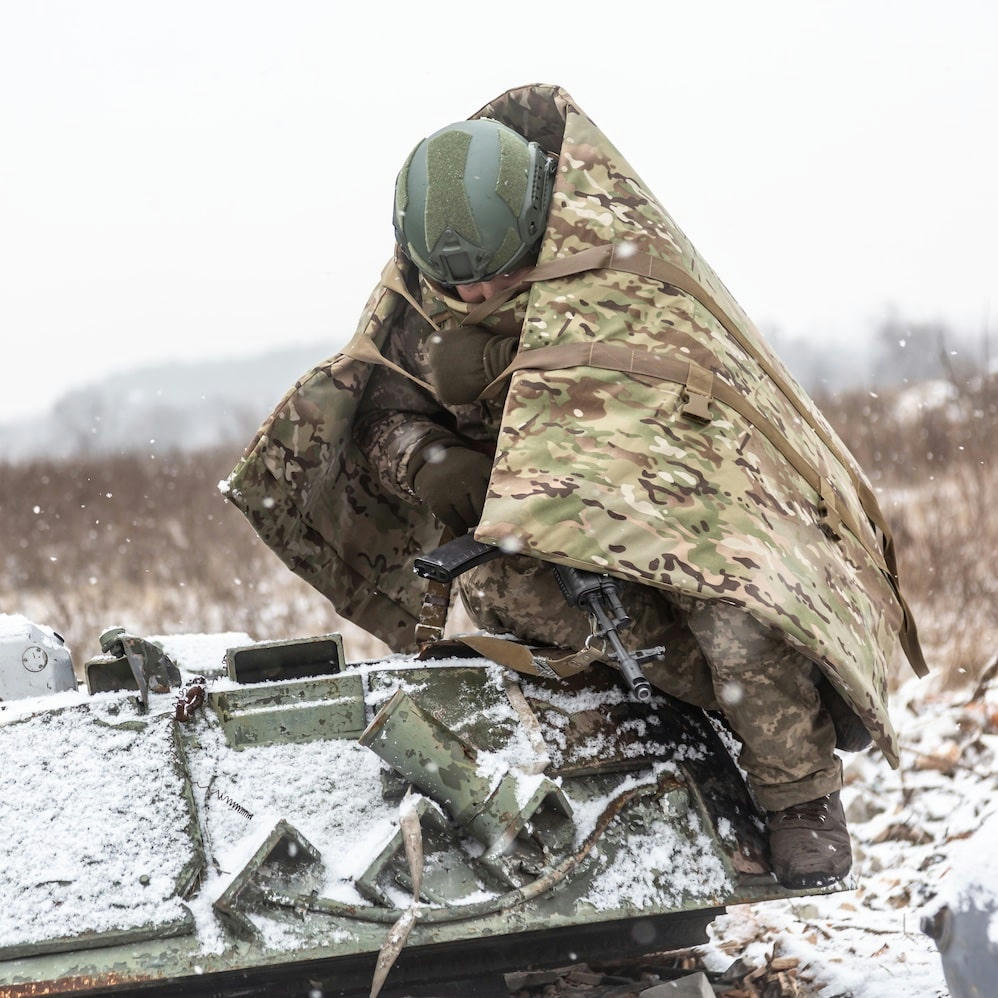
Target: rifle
596	594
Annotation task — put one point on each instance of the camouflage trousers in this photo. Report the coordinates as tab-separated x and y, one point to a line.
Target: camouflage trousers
718	657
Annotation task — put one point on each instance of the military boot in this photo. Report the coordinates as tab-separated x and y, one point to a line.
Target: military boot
809	843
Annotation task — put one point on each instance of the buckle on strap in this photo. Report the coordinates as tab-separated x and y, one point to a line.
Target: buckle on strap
697	393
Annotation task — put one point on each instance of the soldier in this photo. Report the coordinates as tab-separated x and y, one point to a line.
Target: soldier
472	250
548	361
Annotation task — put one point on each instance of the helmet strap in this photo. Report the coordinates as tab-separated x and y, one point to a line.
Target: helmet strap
484	309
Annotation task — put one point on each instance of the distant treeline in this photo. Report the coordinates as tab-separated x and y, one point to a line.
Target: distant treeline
898	351
170	408
149	543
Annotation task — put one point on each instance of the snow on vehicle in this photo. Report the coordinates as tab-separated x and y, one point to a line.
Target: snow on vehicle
34	660
217	817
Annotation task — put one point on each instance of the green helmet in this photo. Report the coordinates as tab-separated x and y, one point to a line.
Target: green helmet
471	201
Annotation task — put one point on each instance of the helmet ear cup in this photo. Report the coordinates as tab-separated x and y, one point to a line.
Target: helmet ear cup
471	201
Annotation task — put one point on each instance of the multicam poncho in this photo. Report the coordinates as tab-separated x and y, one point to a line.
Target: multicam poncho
648	431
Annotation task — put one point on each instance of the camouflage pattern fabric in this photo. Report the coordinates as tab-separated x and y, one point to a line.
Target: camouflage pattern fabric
398	417
314	500
313	484
604	458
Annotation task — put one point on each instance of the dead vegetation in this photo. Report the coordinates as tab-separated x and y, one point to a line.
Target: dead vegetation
655	975
149	544
929	450
152	545
650	976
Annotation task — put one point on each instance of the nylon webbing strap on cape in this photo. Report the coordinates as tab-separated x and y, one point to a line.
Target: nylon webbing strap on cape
486	308
609	357
624	257
547	663
606	356
436	604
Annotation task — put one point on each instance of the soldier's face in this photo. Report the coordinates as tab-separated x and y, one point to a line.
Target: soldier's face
484	290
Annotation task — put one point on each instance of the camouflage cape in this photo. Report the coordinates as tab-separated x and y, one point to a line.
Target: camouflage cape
648	431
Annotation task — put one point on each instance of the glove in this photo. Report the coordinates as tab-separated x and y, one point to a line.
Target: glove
464	360
452	482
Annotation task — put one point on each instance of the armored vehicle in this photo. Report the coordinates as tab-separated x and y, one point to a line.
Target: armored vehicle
213	816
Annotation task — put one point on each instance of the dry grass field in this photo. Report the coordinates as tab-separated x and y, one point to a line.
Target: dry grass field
934	465
152	545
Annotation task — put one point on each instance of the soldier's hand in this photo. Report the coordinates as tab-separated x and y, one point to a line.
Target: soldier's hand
466	359
453	482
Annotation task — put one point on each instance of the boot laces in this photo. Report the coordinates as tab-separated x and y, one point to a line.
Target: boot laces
811	810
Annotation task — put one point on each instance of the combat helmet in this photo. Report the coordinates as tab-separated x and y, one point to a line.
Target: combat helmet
471	201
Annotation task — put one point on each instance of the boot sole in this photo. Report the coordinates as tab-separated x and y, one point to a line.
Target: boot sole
809	880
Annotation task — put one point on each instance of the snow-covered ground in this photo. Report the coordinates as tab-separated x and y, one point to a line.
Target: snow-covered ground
912	830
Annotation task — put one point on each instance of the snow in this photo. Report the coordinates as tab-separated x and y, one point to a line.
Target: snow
575	702
586	812
526	785
14	626
972	880
66	815
11	709
911	830
323	788
114	770
659	867
201	653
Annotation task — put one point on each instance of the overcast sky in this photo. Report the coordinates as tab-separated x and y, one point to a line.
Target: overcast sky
202	179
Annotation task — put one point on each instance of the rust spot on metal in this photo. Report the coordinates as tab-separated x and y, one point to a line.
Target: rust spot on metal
190	699
71	985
